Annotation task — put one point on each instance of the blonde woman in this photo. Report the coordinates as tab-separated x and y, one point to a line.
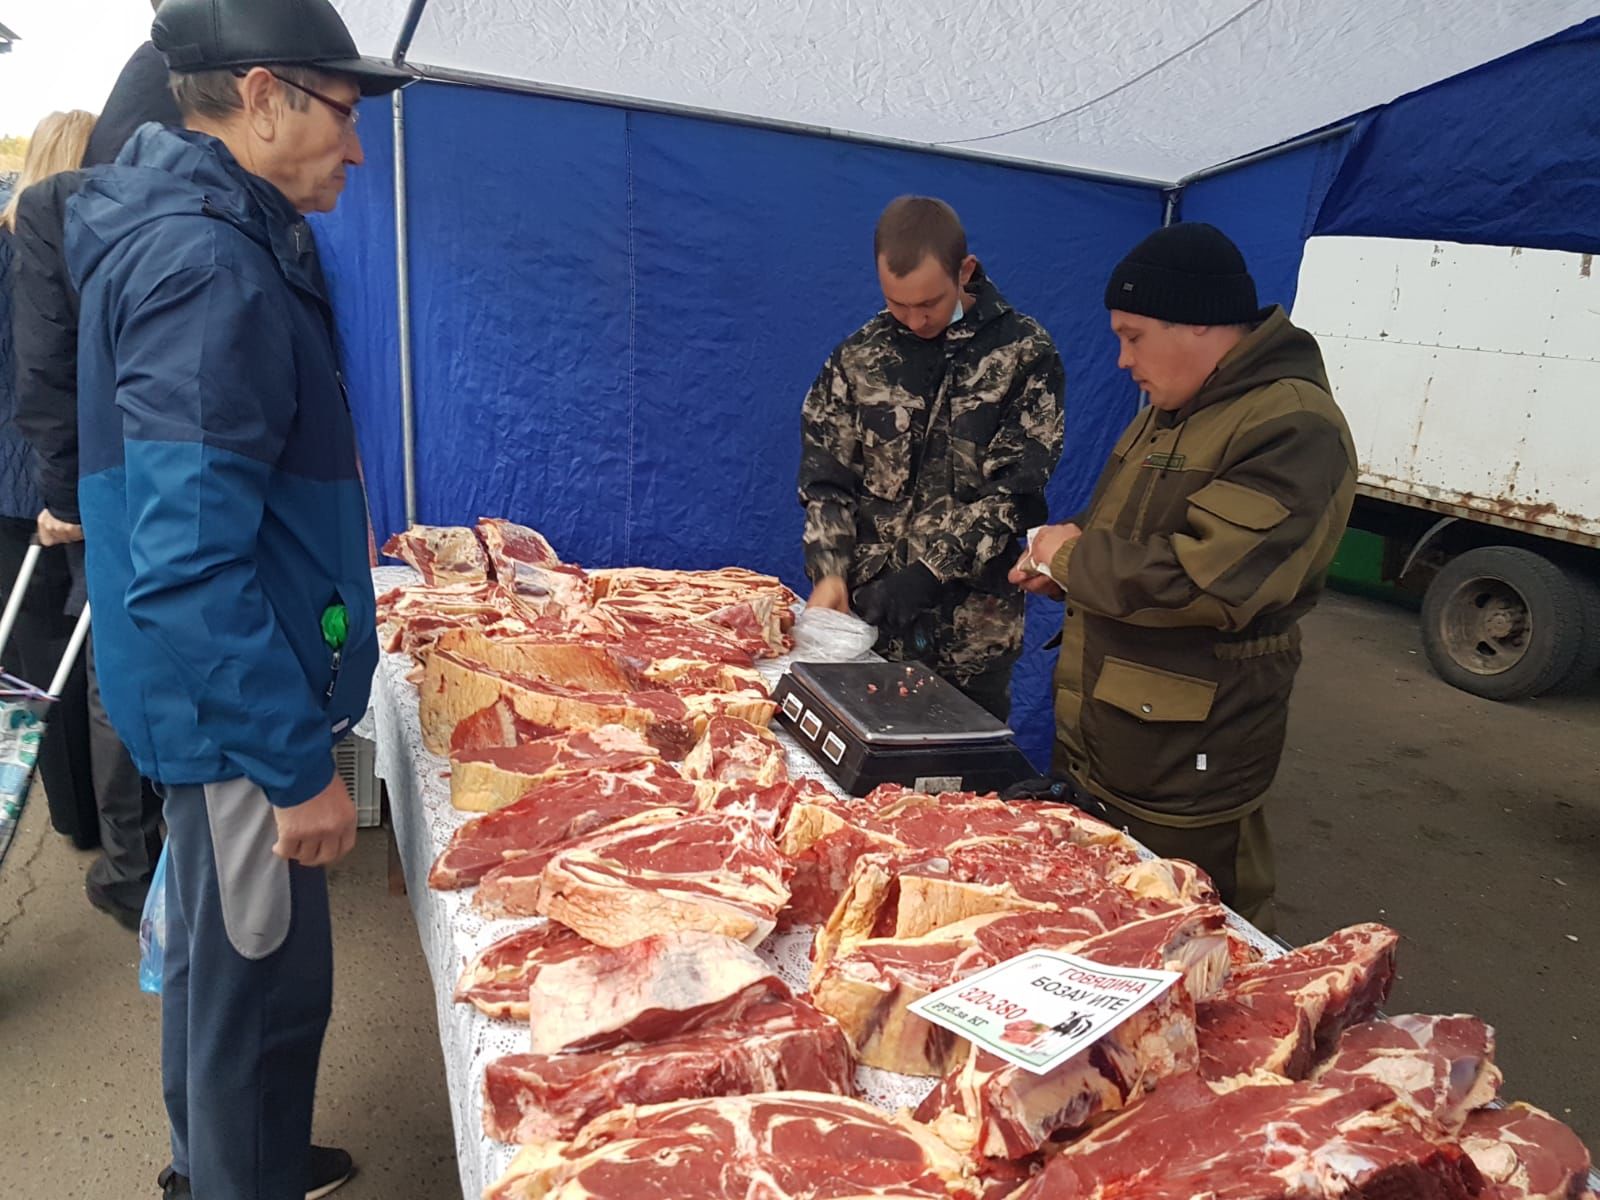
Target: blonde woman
57	145
42	626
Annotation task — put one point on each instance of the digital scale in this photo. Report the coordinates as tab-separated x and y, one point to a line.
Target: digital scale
868	723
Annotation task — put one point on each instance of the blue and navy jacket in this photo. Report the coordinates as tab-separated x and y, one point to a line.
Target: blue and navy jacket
222	508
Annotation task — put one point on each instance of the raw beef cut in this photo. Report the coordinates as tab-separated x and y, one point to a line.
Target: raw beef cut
454	688
766	806
712	872
657	987
735	751
1282	1014
562	658
411	620
825	840
441	554
497	979
992	1109
911	892
1443	1066
756	609
526	564
1526	1154
496	727
772	1146
870	990
559	812
1260	1141
775	1044
488	779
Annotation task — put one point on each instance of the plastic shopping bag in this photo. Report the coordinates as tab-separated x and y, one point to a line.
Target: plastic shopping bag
153	930
822	635
21	730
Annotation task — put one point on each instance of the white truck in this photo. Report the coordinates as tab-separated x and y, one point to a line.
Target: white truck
1471	379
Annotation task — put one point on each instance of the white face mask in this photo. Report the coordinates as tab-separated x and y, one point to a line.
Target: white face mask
957	315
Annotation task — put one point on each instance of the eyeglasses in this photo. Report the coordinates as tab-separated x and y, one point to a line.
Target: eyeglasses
347	112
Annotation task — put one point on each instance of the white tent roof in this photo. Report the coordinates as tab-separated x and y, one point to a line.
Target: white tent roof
1155	89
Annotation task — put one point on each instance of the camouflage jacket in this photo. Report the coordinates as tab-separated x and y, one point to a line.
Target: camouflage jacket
935	451
1206	540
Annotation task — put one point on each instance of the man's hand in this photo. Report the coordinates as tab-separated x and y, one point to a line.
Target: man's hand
830	592
1029	572
320	831
899	598
54	532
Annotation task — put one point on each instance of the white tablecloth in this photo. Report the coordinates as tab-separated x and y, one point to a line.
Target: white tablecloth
452	931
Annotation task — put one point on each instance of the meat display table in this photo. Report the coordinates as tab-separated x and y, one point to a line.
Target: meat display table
452	931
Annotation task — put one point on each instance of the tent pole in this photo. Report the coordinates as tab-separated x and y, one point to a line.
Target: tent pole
402	271
1233	164
408	30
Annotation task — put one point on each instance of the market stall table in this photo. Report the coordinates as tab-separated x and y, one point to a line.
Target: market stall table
452	931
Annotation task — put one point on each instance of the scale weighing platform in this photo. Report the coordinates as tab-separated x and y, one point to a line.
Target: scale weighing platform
868	723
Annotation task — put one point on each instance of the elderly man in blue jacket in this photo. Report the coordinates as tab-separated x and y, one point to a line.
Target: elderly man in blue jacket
227	557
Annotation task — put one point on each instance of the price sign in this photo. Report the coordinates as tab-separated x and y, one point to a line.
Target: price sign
1040	1008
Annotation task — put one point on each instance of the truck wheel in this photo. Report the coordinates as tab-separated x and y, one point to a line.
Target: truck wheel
1502	622
1587	661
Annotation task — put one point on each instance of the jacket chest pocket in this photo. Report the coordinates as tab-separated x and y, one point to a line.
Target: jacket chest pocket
887	433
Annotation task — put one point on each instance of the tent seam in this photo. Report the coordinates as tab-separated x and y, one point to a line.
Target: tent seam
1121	87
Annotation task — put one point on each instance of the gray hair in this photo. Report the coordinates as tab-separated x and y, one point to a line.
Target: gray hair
215	94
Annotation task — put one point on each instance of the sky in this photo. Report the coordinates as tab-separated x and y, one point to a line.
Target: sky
69	55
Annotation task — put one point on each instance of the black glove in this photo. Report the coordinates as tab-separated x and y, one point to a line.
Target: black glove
896	600
1039	788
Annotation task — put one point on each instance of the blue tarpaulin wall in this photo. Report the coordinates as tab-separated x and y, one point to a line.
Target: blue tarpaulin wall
616	313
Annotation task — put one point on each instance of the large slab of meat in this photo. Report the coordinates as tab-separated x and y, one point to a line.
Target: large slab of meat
908	893
825	840
684	664
526	564
556	813
656	987
1260	1141
870	990
497	979
776	1043
712	872
488	779
512	888
773	1146
441	554
455	688
757	609
731	750
993	1109
1442	1066
1282	1014
1526	1154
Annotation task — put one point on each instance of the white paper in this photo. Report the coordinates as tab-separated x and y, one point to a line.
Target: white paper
1040	1008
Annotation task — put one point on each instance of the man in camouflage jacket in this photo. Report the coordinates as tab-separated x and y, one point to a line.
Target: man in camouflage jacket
1204	543
927	441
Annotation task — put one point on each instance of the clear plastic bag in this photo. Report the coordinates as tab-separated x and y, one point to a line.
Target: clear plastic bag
153	930
823	635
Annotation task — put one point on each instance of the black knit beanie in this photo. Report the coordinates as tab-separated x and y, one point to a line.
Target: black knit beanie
1189	274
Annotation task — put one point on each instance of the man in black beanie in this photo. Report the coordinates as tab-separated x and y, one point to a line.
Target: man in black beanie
1205	541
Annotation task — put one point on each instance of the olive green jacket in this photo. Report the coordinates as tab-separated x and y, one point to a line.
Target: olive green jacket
1206	539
